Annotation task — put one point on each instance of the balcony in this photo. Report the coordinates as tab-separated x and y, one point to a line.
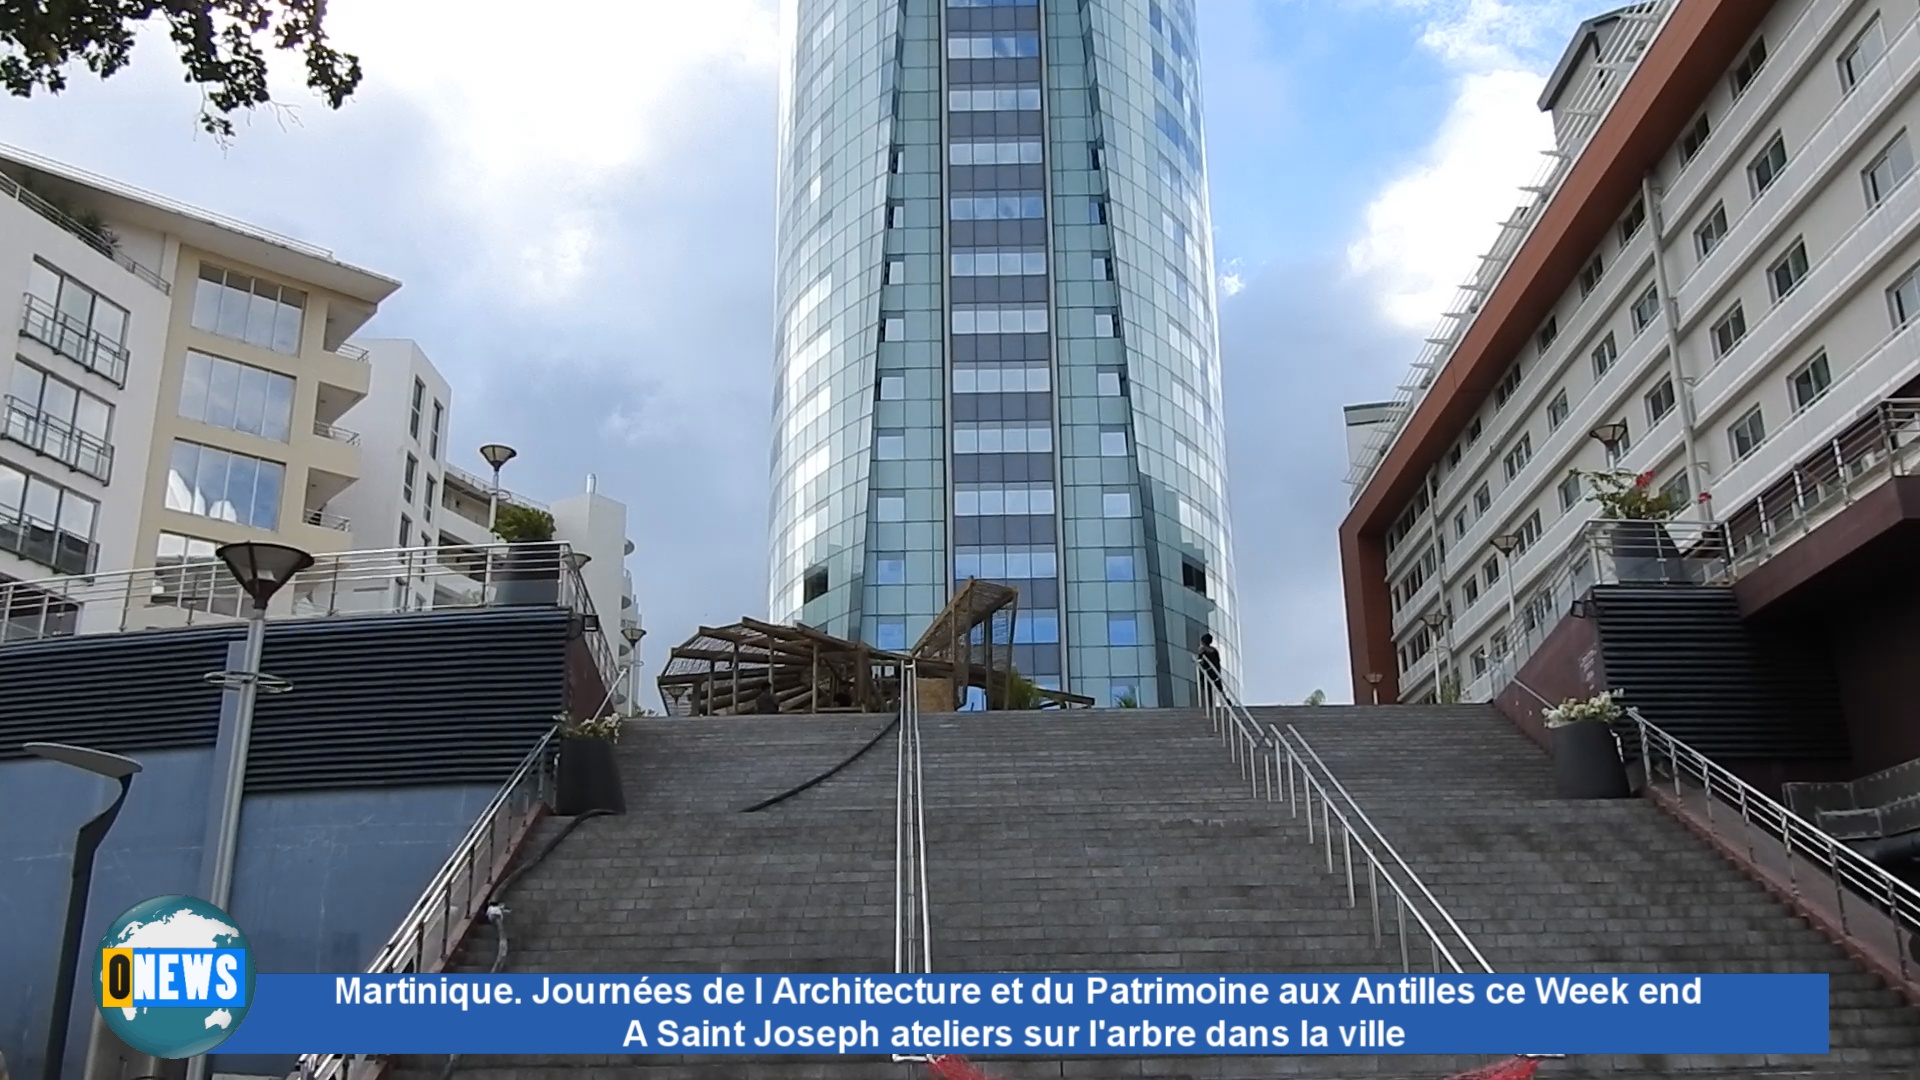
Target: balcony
325	520
43	542
57	439
80	344
353	353
88	235
335	433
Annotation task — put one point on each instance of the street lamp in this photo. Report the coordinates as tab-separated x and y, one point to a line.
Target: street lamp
1610	436
1373	682
496	455
1435	620
113	767
261	570
1506	544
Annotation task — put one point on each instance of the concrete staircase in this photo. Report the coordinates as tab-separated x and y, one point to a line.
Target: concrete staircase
1125	840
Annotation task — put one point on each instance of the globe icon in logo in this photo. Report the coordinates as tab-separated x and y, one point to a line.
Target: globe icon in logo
174	977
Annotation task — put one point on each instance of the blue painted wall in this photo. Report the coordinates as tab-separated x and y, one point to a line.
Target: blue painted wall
321	880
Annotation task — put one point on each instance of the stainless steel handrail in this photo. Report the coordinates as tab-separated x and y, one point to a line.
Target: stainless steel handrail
459	892
1387	846
912	922
1857	882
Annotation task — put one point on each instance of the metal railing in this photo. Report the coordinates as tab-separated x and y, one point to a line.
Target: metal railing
44	542
327	520
484	487
1275	766
27	424
337	585
1868	905
88	236
74	340
457	896
912	922
337	434
355	353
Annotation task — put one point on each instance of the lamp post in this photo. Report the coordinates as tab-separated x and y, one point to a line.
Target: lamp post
1506	544
1373	684
1435	620
633	634
113	767
1609	436
496	455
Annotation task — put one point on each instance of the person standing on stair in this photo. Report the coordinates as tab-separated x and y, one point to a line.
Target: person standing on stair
1209	659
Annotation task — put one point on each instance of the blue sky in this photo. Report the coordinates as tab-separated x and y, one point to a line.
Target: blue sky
585	241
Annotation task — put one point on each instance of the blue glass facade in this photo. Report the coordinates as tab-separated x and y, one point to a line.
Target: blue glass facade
997	355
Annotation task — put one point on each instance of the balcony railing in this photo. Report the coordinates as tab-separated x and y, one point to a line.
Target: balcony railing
337	434
1883	444
484	486
352	583
327	520
87	235
352	352
44	542
78	343
27	425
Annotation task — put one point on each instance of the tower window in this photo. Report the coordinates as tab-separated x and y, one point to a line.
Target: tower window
814	586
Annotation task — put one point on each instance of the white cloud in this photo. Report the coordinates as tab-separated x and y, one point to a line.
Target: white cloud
1233	278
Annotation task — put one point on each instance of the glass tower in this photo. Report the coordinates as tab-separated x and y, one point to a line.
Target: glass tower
996	354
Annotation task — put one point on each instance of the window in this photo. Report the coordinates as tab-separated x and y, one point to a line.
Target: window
1904	298
1460	525
1518	457
1470	591
188	576
893	328
889	570
1544	339
892	387
1604	354
76	322
1109	384
1015	437
1096	212
433	496
1008	207
891	445
1618	450
1660	400
1677	492
1806	385
1859	56
1482	498
1557	410
1122	630
1004	99
1002	499
1116	504
1015	562
407	477
1789	271
890	508
58	419
406	531
1193	577
44	522
890	634
1748	69
1765	169
439	425
1103	324
1747	433
1528	533
896	272
814	585
896	216
1509	384
248	309
998	320
419	406
1453	457
1630	225
1017	378
235	396
1646	309
1590	276
1694	138
1473	431
1887	170
1120	567
998	262
1729	330
220	484
1569	491
1711	230
1113	443
995	152
1490	570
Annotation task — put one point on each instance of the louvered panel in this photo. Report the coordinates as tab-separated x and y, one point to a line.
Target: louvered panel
402	700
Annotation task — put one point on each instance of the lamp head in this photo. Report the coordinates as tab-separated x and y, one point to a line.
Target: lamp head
1505	543
498	454
98	762
1434	619
578	559
632	633
1374	677
1609	435
261	569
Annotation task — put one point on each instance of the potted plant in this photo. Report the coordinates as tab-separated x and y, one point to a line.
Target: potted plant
1641	548
529	576
589	776
1586	756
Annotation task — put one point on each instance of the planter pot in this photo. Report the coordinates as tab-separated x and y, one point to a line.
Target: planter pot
1643	551
589	778
527	579
1586	762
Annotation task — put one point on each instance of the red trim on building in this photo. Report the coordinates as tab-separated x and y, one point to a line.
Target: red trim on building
1694	51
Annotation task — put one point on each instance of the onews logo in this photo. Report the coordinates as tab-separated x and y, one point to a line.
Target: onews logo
175	977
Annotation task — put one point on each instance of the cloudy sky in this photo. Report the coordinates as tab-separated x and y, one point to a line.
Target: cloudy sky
584	227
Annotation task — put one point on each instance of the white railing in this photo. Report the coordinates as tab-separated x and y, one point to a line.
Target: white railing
458	896
355	353
337	434
77	342
1584	109
27	424
341	584
1864	902
912	922
328	520
484	487
92	237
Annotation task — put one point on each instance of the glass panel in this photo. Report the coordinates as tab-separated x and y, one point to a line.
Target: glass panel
214	490
206	300
43	501
93	417
251	404
12	487
193	387
223	393
109	321
182	486
43	281
26	384
287	322
57	400
76	516
261	309
279	408
76	302
234	300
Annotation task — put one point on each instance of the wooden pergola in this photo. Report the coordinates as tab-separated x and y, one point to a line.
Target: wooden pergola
727	670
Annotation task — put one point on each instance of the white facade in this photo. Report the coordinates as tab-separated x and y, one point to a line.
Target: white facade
401	429
596	526
1756	302
1362	421
76	422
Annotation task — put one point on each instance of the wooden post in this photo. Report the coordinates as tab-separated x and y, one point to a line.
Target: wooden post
813	691
864	676
736	678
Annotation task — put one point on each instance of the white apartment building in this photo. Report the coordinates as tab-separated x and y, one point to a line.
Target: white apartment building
1751	296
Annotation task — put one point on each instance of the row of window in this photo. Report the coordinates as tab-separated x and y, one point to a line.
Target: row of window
1014	562
434	433
45	522
248	309
987	262
998	207
1003	379
1011	500
77	322
995	152
58	419
990	46
1022	98
211	482
1016	320
1023	438
239	397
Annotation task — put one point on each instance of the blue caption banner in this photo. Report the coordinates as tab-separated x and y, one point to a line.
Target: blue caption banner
1068	1015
